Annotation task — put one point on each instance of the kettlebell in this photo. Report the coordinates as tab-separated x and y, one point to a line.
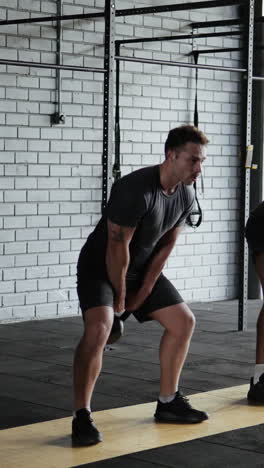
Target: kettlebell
118	327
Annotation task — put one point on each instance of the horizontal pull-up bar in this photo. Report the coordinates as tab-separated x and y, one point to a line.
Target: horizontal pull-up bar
215	51
220	23
129	12
219	50
19	63
178	64
186	65
216	23
178	37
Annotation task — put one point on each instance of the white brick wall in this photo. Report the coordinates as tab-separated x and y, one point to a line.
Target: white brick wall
50	177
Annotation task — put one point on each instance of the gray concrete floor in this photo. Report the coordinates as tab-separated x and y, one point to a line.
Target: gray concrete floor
36	380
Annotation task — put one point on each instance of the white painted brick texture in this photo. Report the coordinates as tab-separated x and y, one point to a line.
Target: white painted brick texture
51	176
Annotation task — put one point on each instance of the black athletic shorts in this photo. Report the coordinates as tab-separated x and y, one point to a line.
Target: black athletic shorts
254	233
94	292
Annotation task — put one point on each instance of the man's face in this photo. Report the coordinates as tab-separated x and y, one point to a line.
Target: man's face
187	162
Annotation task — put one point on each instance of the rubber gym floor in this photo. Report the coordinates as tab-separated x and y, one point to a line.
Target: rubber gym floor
36	396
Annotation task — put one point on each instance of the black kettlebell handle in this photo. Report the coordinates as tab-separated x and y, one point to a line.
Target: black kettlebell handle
125	315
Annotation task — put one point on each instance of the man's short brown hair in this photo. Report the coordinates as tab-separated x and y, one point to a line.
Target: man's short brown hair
179	136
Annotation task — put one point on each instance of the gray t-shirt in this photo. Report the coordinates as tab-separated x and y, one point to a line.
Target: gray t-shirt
137	200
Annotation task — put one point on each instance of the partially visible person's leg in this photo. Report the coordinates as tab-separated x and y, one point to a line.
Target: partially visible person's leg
254	234
259	265
256	391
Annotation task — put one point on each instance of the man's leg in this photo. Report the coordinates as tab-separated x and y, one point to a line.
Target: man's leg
256	390
259	265
87	366
179	323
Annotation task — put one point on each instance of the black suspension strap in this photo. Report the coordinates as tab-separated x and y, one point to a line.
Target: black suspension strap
195	116
198	210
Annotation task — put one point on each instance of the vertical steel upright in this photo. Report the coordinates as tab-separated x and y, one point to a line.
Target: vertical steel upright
58	117
116	167
109	59
58	56
246	161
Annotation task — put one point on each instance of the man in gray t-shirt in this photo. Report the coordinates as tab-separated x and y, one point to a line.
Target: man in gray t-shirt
120	268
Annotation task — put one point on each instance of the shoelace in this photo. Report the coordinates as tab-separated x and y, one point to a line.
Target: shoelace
183	399
85	417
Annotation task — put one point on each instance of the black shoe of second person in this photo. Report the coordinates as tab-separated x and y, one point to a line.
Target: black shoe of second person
179	410
256	391
84	431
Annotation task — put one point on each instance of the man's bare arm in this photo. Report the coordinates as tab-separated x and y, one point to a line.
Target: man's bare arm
164	248
155	267
117	260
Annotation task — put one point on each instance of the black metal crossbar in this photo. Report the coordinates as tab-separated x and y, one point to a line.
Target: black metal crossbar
46	19
129	11
221	23
178	64
179	7
178	37
19	63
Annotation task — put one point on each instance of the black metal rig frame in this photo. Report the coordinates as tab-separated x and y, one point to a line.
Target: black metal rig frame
112	54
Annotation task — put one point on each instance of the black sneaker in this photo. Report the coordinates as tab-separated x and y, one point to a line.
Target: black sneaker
256	391
84	432
179	410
